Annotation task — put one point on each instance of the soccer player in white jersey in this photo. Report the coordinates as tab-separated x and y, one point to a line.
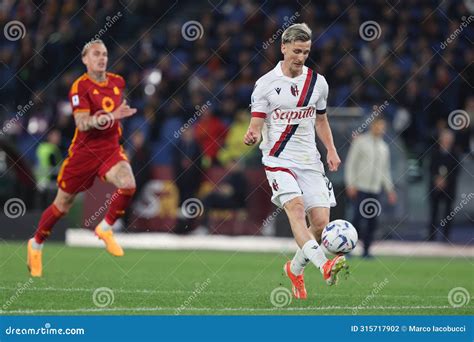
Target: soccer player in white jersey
288	109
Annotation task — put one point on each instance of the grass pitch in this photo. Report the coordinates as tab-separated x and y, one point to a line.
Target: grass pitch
89	281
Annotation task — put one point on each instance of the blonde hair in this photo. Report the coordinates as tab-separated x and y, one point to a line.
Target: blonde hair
296	32
88	45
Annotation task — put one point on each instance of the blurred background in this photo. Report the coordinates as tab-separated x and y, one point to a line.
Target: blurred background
190	69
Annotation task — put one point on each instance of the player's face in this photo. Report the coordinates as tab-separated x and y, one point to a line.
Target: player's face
96	58
295	54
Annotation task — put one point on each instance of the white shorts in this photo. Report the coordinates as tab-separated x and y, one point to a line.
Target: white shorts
312	185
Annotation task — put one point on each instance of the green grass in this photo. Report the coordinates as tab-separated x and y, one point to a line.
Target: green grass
230	283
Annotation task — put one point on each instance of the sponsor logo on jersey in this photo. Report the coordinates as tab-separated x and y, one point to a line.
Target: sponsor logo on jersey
289	115
278	90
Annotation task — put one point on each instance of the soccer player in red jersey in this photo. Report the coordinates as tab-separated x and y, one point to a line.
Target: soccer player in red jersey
98	106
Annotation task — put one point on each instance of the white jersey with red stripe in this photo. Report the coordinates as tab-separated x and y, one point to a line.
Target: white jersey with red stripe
289	107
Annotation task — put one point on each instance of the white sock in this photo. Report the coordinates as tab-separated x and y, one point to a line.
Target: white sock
314	253
36	245
105	226
299	262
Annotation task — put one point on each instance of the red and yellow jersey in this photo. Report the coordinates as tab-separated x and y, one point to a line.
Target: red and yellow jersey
87	95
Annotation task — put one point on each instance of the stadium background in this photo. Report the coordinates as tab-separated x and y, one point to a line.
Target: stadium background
173	76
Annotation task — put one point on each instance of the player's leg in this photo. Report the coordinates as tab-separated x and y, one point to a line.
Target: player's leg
318	196
60	206
318	218
295	210
121	176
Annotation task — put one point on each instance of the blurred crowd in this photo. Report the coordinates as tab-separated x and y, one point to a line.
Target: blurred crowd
206	81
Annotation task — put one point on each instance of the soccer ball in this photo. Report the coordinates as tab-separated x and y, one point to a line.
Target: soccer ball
339	237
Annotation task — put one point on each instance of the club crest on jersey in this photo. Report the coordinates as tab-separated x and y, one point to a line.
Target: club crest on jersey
278	90
275	185
294	90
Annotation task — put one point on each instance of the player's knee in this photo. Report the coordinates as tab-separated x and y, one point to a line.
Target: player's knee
295	208
319	224
126	181
64	204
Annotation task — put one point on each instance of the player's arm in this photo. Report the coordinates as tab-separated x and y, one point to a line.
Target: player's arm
323	130
84	121
325	135
259	109
254	132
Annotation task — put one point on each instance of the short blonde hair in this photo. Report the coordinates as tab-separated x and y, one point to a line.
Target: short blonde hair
88	45
296	32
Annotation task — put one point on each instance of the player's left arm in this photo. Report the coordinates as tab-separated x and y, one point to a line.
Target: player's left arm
323	130
325	135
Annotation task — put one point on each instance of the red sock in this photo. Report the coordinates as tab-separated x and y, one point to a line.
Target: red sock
47	221
120	201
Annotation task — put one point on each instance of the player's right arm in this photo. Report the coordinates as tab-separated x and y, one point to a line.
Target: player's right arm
254	132
260	110
82	112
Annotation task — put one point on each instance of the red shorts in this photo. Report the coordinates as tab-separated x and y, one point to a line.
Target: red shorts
79	170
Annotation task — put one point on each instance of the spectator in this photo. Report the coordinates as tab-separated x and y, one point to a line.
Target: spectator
229	193
49	158
187	174
367	172
210	134
140	161
187	166
442	185
233	147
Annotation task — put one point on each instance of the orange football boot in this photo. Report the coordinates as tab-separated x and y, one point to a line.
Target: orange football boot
33	260
110	244
297	282
332	267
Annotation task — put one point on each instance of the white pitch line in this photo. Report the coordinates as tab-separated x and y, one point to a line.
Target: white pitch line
55	289
289	309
